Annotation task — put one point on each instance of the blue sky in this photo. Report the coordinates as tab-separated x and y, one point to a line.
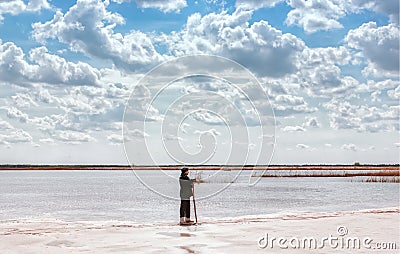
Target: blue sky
329	70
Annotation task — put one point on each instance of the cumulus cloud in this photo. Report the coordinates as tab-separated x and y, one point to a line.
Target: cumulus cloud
345	115
115	139
56	70
15	113
351	147
213	132
46	140
15	7
320	73
394	94
73	137
21	100
9	134
286	104
4	125
165	6
388	7
134	134
380	47
88	27
45	68
302	146
312	122
316	15
263	49
256	4
293	129
15	136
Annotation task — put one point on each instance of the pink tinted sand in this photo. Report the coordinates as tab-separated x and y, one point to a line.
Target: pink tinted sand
231	235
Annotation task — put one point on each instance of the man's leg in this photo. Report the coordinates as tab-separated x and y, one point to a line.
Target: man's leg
187	211
182	209
182	212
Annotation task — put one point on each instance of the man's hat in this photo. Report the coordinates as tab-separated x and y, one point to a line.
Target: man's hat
184	169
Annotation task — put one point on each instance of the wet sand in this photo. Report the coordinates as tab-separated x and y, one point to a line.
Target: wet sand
230	235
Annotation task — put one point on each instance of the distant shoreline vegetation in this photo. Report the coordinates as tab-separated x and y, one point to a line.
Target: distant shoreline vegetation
307	167
356	172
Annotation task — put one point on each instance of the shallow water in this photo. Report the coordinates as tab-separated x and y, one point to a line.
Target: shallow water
119	195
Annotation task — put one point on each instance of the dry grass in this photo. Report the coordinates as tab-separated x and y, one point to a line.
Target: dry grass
374	179
381	176
385	173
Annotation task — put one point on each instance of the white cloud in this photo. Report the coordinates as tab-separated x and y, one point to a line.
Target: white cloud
256	4
134	134
56	70
15	113
394	94
379	45
10	135
384	84
46	140
46	68
263	49
4	125
15	136
15	7
139	108
21	100
312	122
312	57
286	104
208	118
302	146
293	129
314	15
344	115
13	67
388	7
165	6
212	132
115	139
320	73
88	24
351	147
73	137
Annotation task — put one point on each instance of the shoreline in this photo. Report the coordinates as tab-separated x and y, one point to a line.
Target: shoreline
229	235
296	215
203	167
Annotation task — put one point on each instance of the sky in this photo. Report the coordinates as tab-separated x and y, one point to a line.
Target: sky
327	89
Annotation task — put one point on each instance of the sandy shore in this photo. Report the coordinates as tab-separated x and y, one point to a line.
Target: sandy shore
372	228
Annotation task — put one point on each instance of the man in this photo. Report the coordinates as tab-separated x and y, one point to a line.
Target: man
186	192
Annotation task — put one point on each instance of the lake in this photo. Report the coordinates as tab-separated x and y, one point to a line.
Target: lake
83	195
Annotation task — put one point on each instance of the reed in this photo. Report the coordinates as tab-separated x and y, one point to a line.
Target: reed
332	174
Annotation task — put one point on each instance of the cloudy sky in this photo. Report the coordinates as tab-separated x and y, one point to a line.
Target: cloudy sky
330	69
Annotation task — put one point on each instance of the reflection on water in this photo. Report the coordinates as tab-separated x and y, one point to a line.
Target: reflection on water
119	195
